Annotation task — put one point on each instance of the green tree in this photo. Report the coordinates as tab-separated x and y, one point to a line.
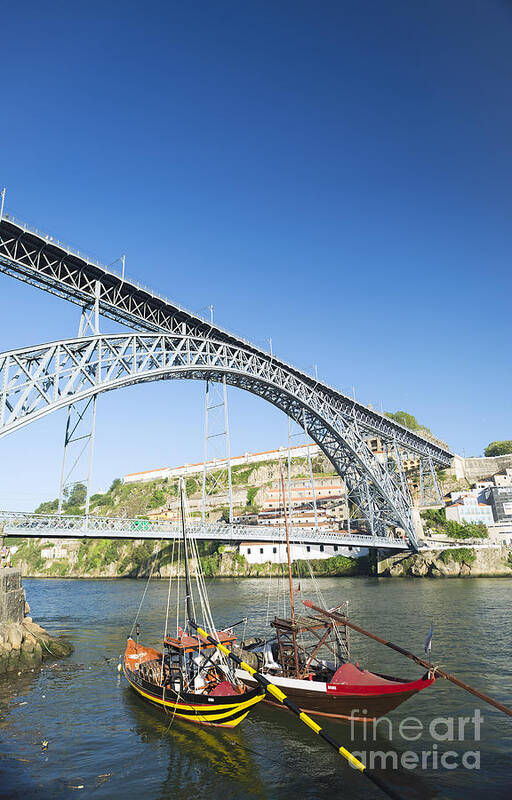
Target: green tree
252	491
102	500
47	508
405	419
191	487
115	484
436	516
498	448
75	495
157	499
466	530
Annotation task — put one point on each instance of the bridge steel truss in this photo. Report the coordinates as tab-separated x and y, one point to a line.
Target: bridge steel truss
37	380
56	526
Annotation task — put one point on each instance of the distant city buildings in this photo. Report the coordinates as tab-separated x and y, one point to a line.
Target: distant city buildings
301	491
302	495
321	504
469	509
504	479
500	501
489	502
300	451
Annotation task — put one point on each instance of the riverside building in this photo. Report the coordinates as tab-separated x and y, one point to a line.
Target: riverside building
470	509
275	552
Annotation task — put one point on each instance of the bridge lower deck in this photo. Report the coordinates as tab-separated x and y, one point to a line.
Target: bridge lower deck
55	526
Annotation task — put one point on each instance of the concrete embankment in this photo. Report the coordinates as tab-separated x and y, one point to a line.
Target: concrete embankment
23	643
464	562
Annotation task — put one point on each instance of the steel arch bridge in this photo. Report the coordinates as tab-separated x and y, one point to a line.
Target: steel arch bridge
173	343
38	380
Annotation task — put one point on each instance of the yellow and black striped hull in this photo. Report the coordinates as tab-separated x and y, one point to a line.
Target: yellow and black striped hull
223	711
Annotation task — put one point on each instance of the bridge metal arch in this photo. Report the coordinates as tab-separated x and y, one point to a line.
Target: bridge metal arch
36	381
40	260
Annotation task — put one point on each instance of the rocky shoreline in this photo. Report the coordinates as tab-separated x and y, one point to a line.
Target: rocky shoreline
464	562
24	644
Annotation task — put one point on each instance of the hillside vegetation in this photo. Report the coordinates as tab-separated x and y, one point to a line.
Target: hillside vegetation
437	522
136	500
104	558
407	420
499	448
135	558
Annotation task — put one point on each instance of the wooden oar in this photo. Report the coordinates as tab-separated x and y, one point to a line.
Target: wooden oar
344	621
276	692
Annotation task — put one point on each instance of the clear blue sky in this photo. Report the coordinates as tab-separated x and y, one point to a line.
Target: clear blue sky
336	176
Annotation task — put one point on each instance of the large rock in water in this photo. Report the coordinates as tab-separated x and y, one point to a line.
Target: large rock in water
419	568
29	643
59	647
14	635
35	629
30	659
23	643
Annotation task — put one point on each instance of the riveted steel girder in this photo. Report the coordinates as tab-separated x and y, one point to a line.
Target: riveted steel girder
43	262
37	380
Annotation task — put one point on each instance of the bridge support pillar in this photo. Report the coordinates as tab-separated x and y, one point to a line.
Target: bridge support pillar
80	422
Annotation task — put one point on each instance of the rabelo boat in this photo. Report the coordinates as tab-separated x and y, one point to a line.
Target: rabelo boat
189	678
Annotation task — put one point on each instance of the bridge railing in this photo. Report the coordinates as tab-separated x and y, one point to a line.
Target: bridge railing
29	228
73	251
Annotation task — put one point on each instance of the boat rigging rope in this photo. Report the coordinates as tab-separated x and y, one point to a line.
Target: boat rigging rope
153	557
169	589
268	598
500	706
178	698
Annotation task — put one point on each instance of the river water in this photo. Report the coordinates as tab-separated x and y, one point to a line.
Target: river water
103	742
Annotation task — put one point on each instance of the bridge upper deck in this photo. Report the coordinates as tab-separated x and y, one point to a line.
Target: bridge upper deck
40	260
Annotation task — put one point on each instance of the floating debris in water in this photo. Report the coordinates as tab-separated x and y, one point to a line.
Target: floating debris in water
44	745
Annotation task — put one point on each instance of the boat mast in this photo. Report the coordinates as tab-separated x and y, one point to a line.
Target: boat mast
290	581
188	590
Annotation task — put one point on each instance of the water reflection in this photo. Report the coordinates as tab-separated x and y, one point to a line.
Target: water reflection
197	755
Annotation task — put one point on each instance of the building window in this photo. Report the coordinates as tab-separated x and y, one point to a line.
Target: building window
335	548
274	549
248	550
321	548
308	548
261	549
